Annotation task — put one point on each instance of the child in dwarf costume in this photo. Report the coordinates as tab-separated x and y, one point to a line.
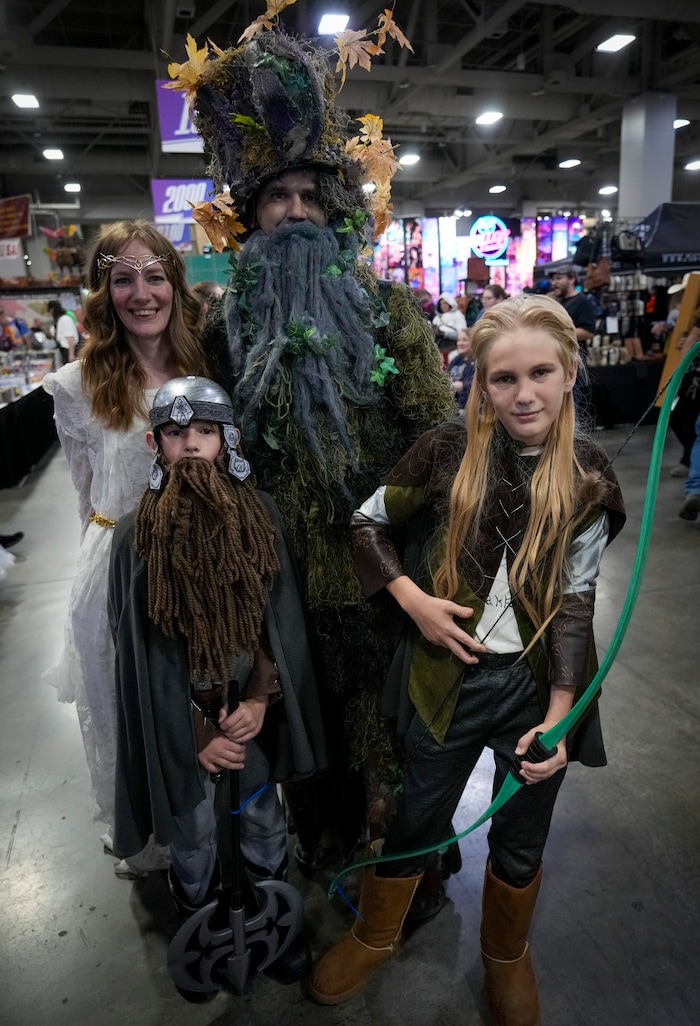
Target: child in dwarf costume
203	600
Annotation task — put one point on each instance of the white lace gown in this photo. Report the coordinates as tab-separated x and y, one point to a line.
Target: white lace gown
110	471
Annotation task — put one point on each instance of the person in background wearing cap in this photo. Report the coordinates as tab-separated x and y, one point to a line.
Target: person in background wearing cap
65	329
202	597
333	374
581	310
142	319
666	326
579	306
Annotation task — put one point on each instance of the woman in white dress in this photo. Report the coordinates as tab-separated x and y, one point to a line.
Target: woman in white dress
141	317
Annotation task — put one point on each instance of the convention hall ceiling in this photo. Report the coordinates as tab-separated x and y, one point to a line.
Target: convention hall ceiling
93	66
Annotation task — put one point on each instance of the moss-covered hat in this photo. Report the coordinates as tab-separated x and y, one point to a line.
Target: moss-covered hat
269	105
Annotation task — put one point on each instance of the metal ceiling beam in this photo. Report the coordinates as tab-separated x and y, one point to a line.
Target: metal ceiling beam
651	10
502	158
469	42
46	17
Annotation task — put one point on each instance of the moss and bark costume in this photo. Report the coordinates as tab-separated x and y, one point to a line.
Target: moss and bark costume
381	416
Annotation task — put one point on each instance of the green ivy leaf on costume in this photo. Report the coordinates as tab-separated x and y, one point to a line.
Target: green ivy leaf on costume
303	340
379	313
383	365
354	223
345	262
272	439
243	283
247	123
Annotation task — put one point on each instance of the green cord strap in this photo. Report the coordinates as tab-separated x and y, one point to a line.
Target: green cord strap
553	736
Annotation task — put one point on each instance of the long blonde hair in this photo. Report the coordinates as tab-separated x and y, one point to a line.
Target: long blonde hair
561	493
111	375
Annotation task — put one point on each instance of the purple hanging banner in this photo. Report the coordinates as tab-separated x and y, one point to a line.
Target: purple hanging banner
172	198
177	133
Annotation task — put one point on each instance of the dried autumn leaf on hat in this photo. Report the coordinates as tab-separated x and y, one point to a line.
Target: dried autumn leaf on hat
380	161
219	219
381	206
354	48
190	75
388	27
372	128
375	153
265	21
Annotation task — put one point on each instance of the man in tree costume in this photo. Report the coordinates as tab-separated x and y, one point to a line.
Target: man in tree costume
333	373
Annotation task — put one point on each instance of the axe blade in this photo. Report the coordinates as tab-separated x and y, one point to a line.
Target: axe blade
201	954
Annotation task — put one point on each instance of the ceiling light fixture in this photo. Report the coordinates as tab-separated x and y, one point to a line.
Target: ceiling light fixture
71	187
489	117
615	43
25	100
607	190
573	162
497	188
694	165
53	154
681	123
409	159
332	23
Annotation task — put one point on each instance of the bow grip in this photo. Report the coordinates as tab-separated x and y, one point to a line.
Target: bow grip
537	752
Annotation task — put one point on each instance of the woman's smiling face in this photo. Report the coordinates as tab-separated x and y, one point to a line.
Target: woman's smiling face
142	299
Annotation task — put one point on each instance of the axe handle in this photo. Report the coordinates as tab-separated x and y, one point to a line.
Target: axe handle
234	811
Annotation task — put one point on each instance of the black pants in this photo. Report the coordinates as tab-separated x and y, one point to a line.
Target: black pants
496	706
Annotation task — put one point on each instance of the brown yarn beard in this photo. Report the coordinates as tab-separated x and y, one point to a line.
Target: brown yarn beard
208	544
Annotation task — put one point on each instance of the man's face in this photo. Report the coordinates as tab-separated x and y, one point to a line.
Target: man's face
290	198
562	285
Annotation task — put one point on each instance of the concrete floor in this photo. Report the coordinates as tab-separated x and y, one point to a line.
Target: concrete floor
616	929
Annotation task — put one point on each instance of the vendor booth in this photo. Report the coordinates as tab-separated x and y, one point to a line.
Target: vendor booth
671	239
27	429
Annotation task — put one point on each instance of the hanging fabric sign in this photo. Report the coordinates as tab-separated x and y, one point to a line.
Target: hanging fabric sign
14	217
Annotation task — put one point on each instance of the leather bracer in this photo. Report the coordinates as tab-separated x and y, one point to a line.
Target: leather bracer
570	640
376	558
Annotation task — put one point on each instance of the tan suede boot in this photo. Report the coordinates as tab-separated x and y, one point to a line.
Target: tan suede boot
505	920
384	902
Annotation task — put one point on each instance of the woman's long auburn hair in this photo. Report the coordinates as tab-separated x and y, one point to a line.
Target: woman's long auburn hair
561	493
111	375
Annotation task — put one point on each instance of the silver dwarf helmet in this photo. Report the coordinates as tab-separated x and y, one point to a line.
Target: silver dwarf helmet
182	400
